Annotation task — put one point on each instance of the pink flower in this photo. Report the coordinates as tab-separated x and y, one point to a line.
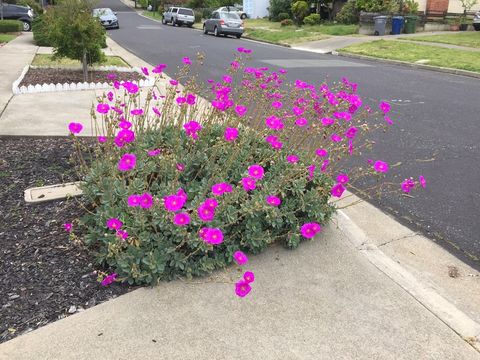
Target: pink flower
230	134
249	277
102	139
292	159
154	152
249	184
342	178
174	203
111	76
159	68
173	82
130	87
145	71
146	201
337	190
311	171
221	188
181	193
380	166
240	257
133	200
274	123
205	213
75	128
122	234
277	145
191	99
180	167
186	60
227	78
422	181
125	125
321	152
114	224
301	122
136	112
336	138
242	288
181	100
68	227
107	280
210	203
212	236
235	65
110	96
127	162
271	139
327	121
351	132
124	136
192	128
277	104
324	165
309	230
273	200
385	107
181	219
388	120
256	171
241	110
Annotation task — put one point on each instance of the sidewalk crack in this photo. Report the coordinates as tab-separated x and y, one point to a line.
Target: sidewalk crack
399	238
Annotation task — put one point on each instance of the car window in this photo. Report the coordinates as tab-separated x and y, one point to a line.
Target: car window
230	15
174	10
185	12
169	10
215	15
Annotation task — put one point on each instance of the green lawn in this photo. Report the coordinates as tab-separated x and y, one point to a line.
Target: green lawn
47	60
470	39
4	38
409	52
262	29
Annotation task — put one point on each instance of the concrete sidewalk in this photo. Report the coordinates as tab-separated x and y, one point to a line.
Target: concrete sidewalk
322	301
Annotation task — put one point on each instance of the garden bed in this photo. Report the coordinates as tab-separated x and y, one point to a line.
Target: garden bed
46	276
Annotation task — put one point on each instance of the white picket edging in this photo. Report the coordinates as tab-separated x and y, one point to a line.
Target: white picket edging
75	86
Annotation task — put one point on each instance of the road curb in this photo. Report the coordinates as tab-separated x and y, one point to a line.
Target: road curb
407	64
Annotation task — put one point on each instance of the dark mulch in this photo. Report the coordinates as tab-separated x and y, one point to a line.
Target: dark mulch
61	76
43	274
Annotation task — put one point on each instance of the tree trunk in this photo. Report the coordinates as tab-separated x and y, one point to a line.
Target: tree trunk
85	65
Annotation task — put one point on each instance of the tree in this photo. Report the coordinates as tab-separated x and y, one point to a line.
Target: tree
76	34
300	9
279	6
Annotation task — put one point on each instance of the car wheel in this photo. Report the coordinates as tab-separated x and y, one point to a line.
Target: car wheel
243	16
26	26
174	22
238	36
215	31
205	30
476	27
163	21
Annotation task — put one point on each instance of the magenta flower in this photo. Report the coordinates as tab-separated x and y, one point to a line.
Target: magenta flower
191	99
240	257
324	165
249	184
159	68
181	193
351	132
205	213
192	128
388	120
221	188
173	203
146	201
309	230
68	227
321	152
173	82
125	124
180	167
154	152
385	107
336	138
242	288
235	65
337	190
277	104
422	181
102	139
127	162
256	171
107	280
227	78
301	122
111	76
124	136
186	60
273	200
110	96
181	100
133	200
145	71
342	178
381	166
249	277
210	203
292	159
326	121
122	234
311	171
136	112
212	236
274	123
230	134
181	219
271	139
114	224
241	110
75	128
298	111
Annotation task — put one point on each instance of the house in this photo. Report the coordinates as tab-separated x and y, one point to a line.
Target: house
443	6
256	8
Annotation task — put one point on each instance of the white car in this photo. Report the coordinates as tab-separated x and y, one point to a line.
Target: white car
233	9
178	16
476	21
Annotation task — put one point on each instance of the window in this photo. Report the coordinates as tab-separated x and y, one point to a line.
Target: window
215	15
174	10
185	12
230	16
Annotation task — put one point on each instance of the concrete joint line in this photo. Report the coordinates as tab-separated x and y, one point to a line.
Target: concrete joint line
425	294
397	239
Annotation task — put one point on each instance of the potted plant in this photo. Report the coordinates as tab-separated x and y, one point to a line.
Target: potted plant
467	6
463	23
454	24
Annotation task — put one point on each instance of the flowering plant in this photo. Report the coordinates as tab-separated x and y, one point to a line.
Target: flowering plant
180	186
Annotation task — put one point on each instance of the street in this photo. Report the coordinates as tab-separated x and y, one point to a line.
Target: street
436	119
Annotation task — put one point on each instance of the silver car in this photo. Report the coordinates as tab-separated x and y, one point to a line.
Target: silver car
234	9
224	23
178	16
107	18
476	21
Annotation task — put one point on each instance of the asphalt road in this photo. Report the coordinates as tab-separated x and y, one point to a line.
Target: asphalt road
437	119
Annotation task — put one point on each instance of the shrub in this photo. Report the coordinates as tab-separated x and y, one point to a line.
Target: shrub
278	7
7	26
40	30
286	22
300	10
168	196
283	16
198	16
312	19
348	13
